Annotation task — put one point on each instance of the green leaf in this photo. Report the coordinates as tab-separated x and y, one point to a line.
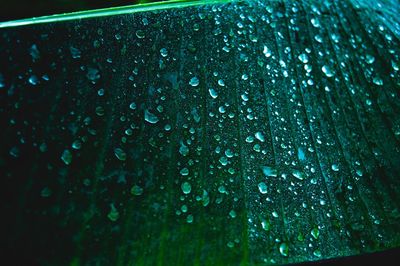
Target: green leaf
201	133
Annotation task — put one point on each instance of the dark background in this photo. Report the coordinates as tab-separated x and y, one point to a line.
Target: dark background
18	9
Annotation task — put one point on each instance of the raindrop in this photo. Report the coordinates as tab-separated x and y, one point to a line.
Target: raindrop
132	106
33	80
184	171
262	187
284	249
186	187
136	190
66	157
266	51
189	219
140	34
335	167
370	59
113	215
93	74
46	192
232	213
377	81
259	136
221	83
303	58
328	71
164	52
269	171
120	154
150	117
184	150
75	53
298	174
315	232
213	93
77	144
194	82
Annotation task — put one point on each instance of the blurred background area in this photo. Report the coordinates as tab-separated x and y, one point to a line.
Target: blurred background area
19	9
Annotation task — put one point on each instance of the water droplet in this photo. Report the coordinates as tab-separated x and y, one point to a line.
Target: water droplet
221	83
140	34
303	58
136	190
46	192
77	144
194	82
33	80
328	71
269	171
377	81
284	249
189	219
164	52
34	52
259	136
298	174
262	187
317	253
205	198
184	171
315	232
213	93
93	74
113	215
75	53
300	154
184	150
14	152
120	154
335	167
229	153
232	214
370	59
132	106
186	187
266	51
266	225
66	157
150	117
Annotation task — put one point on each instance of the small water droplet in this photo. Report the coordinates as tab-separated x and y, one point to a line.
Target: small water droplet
184	171
46	192
335	167
213	93
328	71
377	81
232	214
132	106
194	82
33	80
269	171
113	215
77	144
66	157
164	52
93	74
140	34
266	51
298	174
370	59
136	190
120	154
189	219
315	232
183	149
262	187
75	53
284	249
221	83
303	58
